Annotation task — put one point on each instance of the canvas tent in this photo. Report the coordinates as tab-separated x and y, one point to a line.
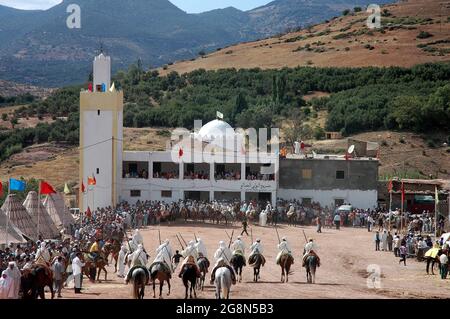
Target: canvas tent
18	215
47	227
56	208
13	235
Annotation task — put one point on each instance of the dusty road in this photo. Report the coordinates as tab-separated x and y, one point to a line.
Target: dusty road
345	255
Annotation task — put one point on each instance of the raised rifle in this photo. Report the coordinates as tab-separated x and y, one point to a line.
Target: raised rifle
227	234
231	239
306	239
278	235
185	243
159	236
182	248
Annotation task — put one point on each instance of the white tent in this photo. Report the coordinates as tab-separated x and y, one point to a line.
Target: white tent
56	208
18	215
47	227
14	235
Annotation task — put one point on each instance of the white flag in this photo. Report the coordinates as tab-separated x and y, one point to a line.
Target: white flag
219	115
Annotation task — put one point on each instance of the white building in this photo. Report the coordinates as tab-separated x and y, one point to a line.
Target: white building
209	163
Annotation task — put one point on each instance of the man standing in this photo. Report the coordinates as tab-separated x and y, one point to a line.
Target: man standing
396	245
402	251
77	267
121	261
377	241
176	258
444	265
384	241
337	220
13	273
319	224
244	227
390	240
58	270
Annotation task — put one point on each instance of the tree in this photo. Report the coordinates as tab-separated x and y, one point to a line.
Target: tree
346	12
4	117
14	122
407	112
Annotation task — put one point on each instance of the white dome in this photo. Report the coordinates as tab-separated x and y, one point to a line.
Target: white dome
215	129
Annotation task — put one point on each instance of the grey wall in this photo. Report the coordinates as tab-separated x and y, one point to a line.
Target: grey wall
359	174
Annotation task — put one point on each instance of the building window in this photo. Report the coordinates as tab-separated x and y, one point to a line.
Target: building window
166	194
306	201
98	112
135	193
340	174
98	170
338	202
306	173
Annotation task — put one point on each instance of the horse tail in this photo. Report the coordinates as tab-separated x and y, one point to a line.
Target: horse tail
154	272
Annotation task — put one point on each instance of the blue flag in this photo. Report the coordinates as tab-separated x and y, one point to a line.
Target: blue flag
16	185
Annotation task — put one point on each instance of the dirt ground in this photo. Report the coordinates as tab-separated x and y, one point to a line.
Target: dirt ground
345	255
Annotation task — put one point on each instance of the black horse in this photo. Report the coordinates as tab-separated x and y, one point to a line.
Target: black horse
238	262
311	265
203	265
139	278
256	261
190	276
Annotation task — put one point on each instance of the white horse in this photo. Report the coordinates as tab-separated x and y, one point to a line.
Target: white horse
223	283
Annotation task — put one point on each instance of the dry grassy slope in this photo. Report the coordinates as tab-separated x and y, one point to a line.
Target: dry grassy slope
394	48
58	165
8	88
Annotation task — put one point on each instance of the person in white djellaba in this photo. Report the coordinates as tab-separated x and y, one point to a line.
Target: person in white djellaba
164	256
121	261
42	254
256	249
310	249
14	275
201	248
284	249
222	256
238	247
138	259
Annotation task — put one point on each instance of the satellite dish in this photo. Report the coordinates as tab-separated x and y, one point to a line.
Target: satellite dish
351	149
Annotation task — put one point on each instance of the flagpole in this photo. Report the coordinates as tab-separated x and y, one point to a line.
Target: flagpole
436	199
39	209
401	210
9	209
390	208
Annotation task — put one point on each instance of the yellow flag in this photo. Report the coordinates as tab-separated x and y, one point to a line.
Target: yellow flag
66	189
112	88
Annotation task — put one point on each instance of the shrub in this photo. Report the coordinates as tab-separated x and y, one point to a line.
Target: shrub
357	9
4	117
424	35
346	12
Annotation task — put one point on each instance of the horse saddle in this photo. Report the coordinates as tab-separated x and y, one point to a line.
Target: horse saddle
206	261
130	273
162	267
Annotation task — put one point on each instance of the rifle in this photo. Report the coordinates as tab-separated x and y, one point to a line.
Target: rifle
182	248
279	241
195	236
251	234
183	239
227	234
306	239
159	236
231	238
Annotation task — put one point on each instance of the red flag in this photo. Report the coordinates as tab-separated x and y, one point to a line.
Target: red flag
46	188
88	212
92	181
390	186
180	152
1	189
90	87
83	189
347	157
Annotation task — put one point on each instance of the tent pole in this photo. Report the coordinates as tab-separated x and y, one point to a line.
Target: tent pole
7	214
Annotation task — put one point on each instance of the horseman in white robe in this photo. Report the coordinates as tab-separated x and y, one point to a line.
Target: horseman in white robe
137	238
190	250
256	249
310	249
201	249
284	249
291	211
164	255
43	255
121	260
222	257
263	218
138	259
238	247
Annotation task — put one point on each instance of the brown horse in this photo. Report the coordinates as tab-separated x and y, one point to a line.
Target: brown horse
286	261
100	264
158	271
113	249
34	280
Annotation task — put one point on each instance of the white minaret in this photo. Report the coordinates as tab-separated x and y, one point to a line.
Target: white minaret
101	136
102	72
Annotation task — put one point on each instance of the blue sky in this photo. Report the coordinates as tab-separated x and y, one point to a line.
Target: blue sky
190	6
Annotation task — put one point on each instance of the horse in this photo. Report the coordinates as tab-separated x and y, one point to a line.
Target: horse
203	265
190	276
159	272
286	261
256	263
34	280
223	283
238	262
100	264
139	280
113	249
311	265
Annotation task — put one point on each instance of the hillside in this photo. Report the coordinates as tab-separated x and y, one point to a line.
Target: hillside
345	42
36	47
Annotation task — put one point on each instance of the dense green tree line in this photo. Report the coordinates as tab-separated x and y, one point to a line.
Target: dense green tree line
362	99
